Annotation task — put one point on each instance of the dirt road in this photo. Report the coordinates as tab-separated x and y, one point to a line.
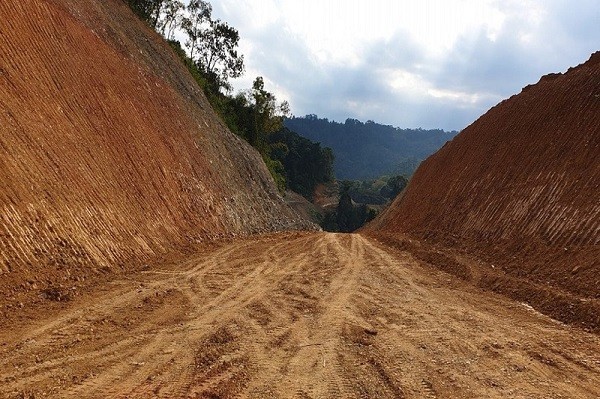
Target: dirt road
297	315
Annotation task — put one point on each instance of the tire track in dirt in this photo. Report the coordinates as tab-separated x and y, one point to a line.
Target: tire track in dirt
297	315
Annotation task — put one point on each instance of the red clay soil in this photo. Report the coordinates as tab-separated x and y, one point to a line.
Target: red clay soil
517	193
110	155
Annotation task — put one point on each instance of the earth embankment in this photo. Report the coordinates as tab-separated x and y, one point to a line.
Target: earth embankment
110	155
519	190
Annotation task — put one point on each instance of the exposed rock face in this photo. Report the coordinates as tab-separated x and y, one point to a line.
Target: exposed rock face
520	186
109	152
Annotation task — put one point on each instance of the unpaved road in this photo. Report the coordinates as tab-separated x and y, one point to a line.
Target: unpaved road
297	315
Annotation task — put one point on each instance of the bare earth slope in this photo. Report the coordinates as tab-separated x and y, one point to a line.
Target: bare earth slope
519	188
109	153
297	316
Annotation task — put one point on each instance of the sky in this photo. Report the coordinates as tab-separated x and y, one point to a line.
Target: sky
407	63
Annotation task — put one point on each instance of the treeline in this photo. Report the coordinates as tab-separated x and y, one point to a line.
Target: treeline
376	192
366	150
210	53
347	217
359	201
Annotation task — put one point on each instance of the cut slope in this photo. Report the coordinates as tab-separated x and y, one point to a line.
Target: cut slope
520	186
109	153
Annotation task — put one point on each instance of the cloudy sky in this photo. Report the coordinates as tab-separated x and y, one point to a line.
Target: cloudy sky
408	63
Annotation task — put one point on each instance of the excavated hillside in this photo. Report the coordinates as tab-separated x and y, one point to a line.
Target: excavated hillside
520	190
116	176
110	155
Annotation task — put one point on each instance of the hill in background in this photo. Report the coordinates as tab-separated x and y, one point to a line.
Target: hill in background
369	150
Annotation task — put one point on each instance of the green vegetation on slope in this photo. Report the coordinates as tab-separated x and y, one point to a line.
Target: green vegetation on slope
211	56
360	201
347	217
376	192
306	164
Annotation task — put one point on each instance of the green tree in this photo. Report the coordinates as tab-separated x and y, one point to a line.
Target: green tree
195	22
212	59
394	186
346	218
218	57
148	10
212	46
306	164
268	115
170	17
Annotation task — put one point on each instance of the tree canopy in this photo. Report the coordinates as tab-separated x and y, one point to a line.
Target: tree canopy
306	164
369	150
210	53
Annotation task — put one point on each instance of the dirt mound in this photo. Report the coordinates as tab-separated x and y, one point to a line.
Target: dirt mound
110	155
520	189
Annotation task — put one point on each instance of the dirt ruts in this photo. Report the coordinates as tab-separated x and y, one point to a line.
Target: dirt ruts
110	155
297	315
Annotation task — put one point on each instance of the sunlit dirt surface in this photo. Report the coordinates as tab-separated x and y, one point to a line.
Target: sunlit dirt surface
305	315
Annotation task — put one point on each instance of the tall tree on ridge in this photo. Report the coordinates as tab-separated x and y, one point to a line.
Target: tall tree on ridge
268	115
212	45
170	17
218	57
194	24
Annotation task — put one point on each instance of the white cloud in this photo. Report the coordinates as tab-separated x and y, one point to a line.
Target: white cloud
404	62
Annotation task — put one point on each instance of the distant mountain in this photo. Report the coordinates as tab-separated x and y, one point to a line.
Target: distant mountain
369	150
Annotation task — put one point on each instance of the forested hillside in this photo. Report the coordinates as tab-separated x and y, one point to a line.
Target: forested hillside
369	150
210	53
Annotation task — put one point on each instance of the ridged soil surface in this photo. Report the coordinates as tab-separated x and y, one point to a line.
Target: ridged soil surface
109	153
520	188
